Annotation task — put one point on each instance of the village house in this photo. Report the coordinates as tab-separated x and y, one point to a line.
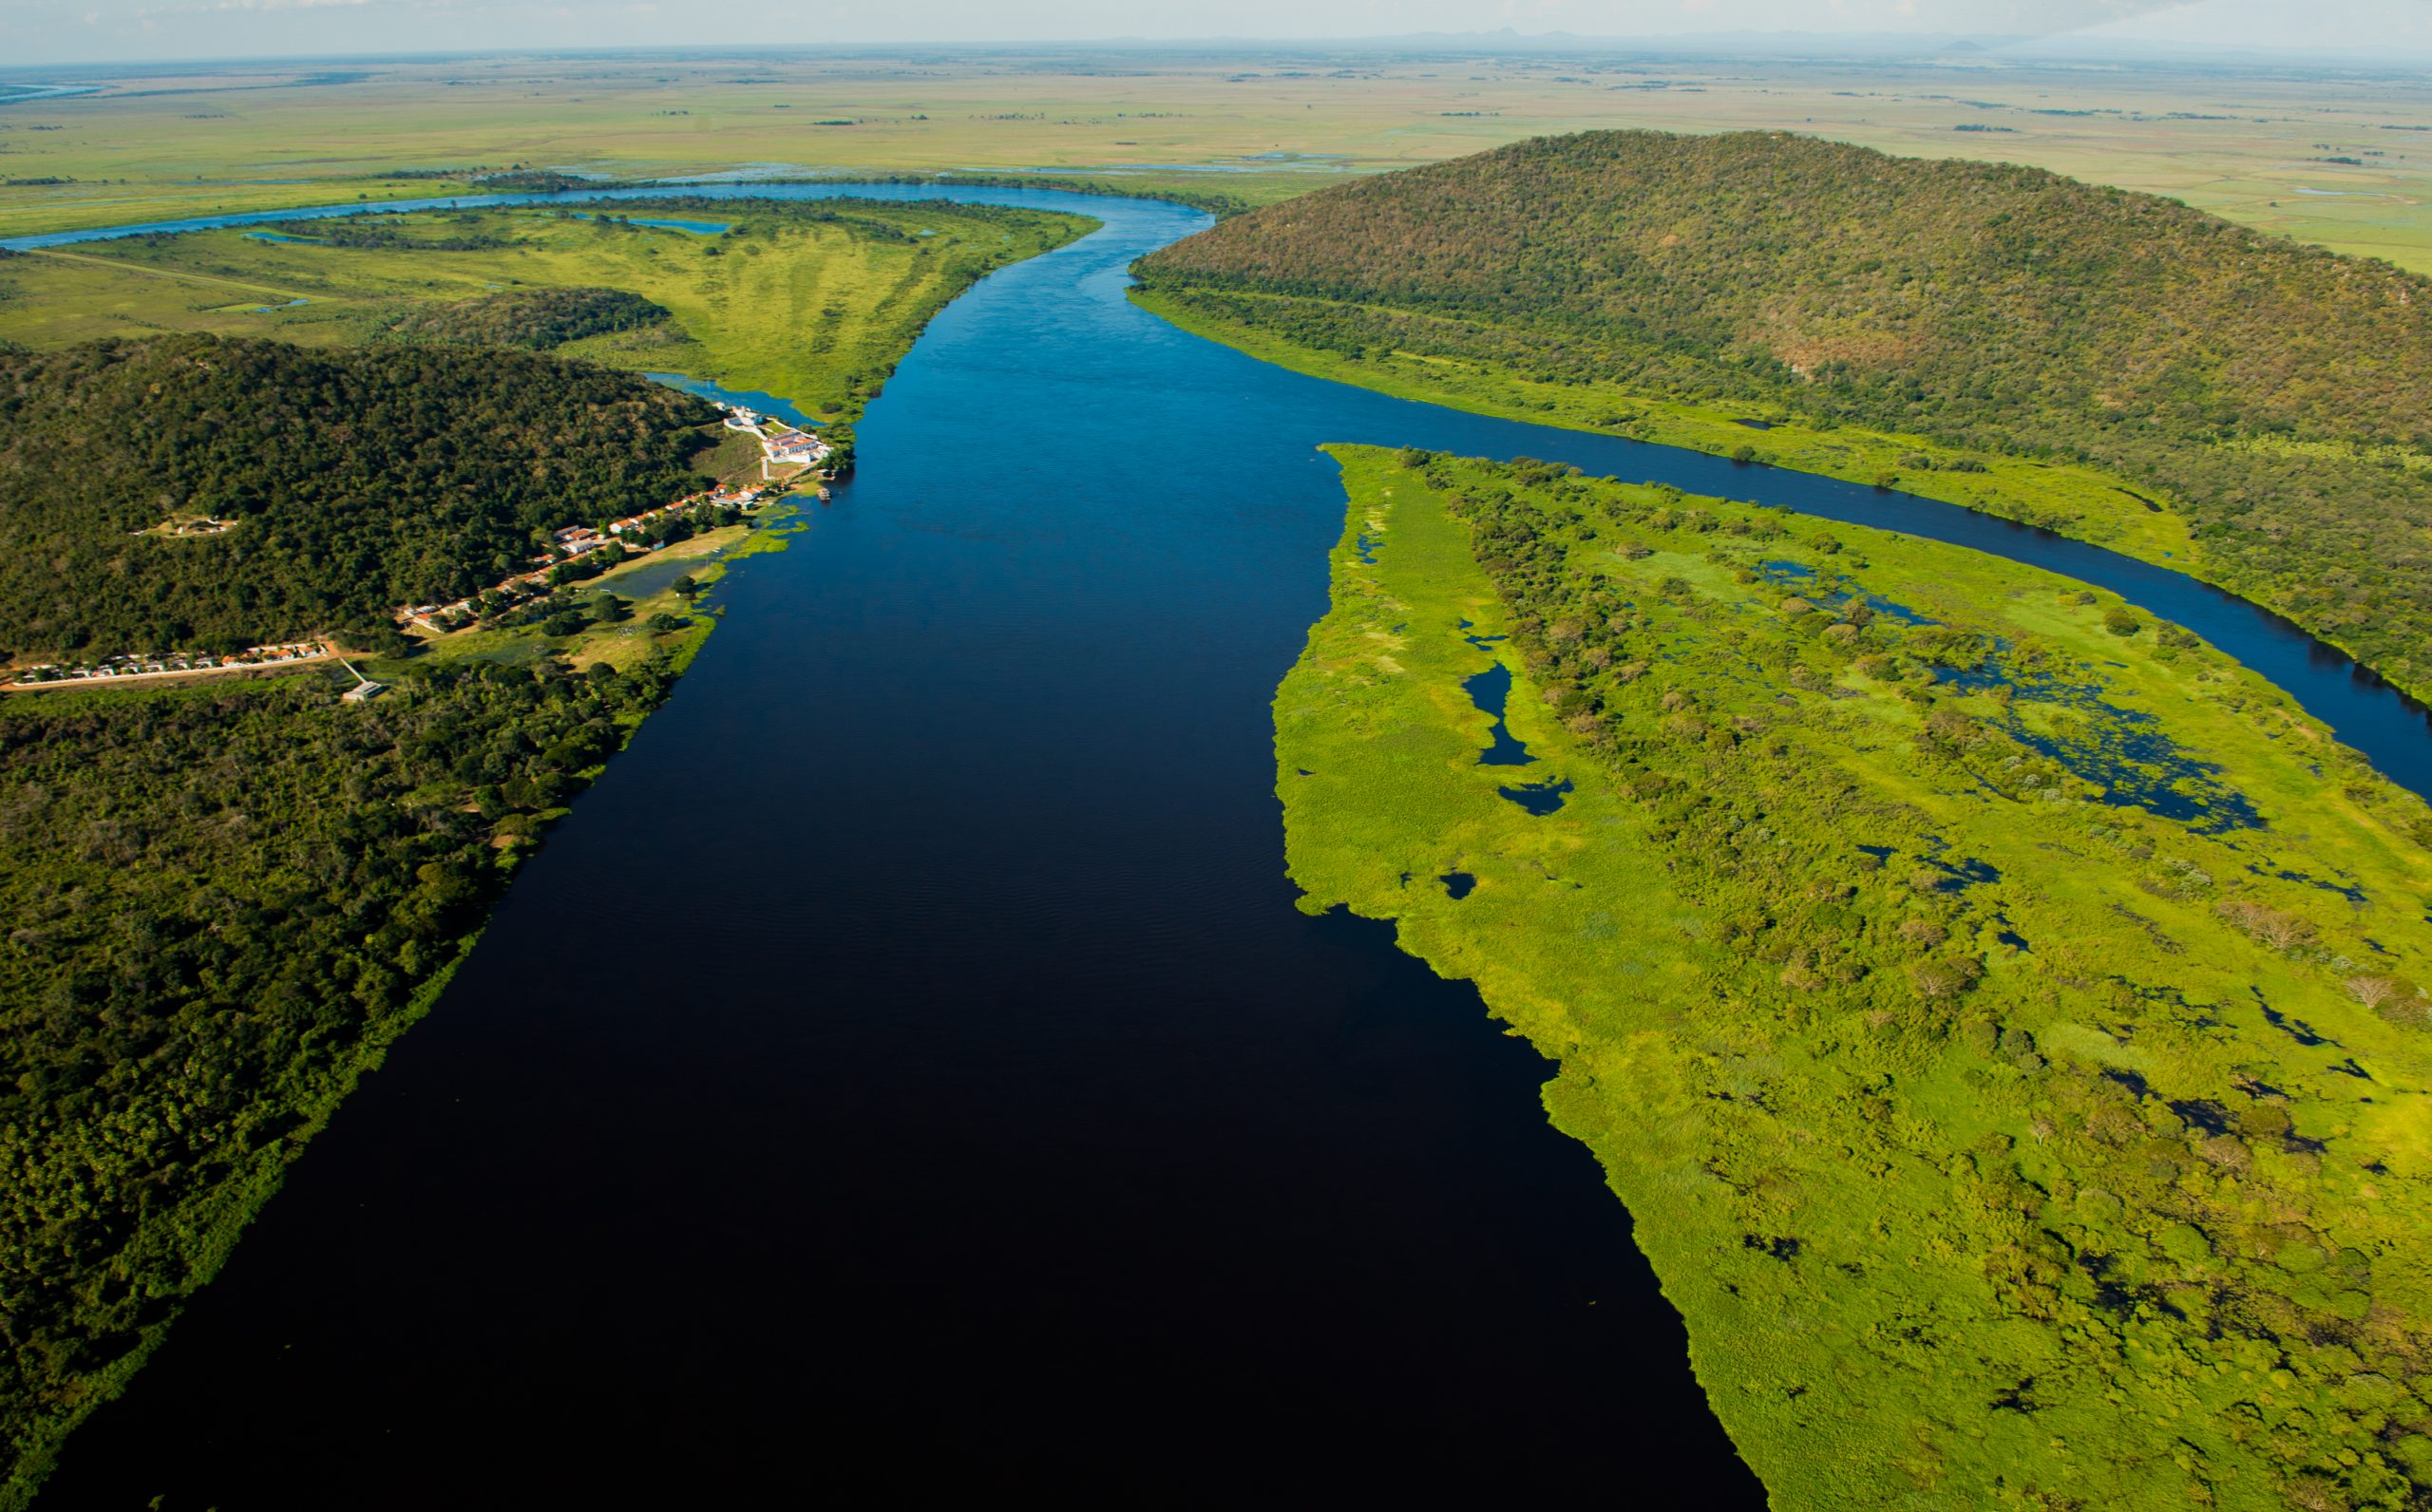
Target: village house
576	540
794	446
155	664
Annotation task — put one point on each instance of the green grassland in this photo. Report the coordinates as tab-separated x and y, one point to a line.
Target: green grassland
2075	500
812	302
2257	146
2000	1014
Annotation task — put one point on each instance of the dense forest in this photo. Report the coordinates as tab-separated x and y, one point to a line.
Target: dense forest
2279	395
221	903
536	320
360	480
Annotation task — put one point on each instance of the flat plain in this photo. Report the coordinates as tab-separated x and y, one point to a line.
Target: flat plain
2343	161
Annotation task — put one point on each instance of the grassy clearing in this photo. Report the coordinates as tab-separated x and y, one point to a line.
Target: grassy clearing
817	310
2073	501
2004	1029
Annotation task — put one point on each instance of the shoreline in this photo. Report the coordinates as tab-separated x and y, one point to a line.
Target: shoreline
223	1215
1661	423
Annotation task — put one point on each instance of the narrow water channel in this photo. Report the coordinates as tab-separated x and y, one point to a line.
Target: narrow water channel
906	1073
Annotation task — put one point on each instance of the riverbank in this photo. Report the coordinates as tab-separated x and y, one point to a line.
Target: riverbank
1898	922
811	301
2071	501
321	865
624	665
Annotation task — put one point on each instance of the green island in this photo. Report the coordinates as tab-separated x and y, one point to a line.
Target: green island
2002	1015
229	892
2113	366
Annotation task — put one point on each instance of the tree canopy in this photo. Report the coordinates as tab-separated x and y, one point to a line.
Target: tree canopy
534	318
358	479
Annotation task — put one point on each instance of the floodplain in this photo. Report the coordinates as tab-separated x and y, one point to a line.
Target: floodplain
2342	158
1999	1009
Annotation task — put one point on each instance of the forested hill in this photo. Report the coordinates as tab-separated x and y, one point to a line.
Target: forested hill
2279	395
359	480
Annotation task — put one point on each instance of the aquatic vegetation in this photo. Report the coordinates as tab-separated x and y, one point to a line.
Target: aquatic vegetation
2014	1115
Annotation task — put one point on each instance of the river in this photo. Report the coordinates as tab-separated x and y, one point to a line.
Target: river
906	1075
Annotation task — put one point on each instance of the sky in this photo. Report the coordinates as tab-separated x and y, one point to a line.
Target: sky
67	31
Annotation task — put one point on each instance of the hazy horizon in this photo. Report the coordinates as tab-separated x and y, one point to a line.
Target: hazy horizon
99	33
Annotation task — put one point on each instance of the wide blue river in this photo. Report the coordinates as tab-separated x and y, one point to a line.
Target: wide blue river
906	1075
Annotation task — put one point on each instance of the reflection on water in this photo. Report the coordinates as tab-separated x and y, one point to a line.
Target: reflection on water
2123	750
748	398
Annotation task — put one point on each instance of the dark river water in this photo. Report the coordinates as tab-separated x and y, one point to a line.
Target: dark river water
906	1075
